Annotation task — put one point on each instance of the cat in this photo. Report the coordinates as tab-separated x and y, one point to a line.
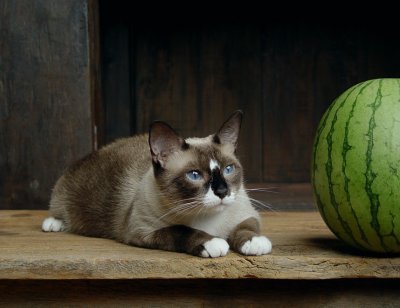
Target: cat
161	191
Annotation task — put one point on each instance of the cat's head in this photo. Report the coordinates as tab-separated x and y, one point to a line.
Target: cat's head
197	174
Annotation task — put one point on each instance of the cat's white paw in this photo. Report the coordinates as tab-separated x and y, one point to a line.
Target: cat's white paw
52	224
258	245
216	247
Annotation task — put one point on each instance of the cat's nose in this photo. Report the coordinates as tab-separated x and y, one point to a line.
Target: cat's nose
221	191
218	184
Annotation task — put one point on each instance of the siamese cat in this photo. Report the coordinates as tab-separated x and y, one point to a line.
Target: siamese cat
164	192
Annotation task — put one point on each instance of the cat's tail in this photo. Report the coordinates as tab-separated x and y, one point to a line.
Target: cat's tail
51	224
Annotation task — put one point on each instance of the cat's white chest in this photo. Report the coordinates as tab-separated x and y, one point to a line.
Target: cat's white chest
213	225
220	224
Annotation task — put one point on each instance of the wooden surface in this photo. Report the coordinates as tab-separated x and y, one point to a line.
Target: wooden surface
45	98
303	248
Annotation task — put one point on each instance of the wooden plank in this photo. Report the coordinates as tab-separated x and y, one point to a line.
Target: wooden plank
304	69
283	77
195	79
201	293
231	72
290	80
116	73
97	108
303	248
166	79
45	102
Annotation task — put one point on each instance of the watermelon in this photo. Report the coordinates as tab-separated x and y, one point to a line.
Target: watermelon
356	166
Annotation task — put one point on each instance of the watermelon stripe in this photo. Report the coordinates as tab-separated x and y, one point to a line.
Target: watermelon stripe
347	147
316	143
322	125
329	169
370	175
393	226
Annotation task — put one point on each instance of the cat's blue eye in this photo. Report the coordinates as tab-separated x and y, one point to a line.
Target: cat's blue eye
229	169
194	175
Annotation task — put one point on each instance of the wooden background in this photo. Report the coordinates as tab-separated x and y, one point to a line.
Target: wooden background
45	101
194	73
70	68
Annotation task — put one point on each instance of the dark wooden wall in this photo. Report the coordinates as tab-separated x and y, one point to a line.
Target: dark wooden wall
193	74
45	96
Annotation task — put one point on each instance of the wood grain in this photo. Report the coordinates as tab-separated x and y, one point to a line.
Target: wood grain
45	104
304	69
196	80
303	248
116	72
96	93
283	76
200	293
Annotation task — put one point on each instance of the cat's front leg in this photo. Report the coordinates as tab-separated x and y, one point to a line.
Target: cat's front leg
246	239
185	239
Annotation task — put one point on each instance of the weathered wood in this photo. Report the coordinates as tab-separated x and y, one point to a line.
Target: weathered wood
195	80
201	293
230	79
45	102
305	68
284	77
303	248
116	72
96	93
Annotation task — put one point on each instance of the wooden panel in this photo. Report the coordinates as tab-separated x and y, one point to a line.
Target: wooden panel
96	93
45	118
116	71
304	70
200	293
284	77
231	79
194	80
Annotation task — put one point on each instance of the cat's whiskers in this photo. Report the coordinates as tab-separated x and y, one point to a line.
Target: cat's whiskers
262	205
267	190
199	210
180	210
258	204
175	203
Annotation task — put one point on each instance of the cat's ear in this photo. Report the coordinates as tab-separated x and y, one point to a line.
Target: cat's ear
229	131
163	141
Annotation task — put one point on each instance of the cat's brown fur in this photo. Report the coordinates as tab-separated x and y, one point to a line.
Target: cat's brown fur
145	197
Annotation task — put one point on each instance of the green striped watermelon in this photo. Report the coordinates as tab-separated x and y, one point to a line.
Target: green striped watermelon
356	166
